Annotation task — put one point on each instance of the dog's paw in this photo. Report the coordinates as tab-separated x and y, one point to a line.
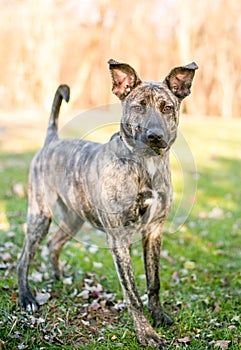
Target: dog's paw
28	303
146	335
166	320
150	338
161	319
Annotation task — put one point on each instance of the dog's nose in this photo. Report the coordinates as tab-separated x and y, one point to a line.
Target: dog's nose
156	137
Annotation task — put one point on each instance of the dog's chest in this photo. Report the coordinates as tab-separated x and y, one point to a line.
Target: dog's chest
156	194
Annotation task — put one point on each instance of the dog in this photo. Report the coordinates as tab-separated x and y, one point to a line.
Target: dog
122	187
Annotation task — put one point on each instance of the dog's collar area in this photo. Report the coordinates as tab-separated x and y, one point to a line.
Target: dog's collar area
157	151
126	143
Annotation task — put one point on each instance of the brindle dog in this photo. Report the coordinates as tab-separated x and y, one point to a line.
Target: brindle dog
122	187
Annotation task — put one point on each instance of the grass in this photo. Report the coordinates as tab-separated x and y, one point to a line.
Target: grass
200	263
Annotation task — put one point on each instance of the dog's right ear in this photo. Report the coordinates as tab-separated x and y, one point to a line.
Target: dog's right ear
124	78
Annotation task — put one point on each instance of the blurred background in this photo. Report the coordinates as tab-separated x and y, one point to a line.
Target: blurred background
50	42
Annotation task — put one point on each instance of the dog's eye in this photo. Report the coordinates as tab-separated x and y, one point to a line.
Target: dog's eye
137	108
167	109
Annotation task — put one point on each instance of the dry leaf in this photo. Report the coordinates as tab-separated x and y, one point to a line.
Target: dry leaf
184	340
189	265
36	276
6	257
85	323
222	344
165	255
68	281
40	320
215	213
93	249
18	189
175	277
217	308
42	298
84	294
236	319
97	265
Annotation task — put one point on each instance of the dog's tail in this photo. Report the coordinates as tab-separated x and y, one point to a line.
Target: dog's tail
63	92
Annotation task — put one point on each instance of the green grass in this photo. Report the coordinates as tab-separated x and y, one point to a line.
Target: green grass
200	264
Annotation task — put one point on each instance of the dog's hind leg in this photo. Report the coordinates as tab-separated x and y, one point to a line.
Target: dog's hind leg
38	222
37	228
69	225
152	248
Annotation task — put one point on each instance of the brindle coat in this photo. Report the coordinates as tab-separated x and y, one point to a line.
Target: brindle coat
122	187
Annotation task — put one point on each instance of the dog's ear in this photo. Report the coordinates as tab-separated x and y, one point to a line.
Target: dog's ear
179	80
124	78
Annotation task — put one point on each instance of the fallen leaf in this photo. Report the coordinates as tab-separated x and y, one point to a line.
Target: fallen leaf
144	299
100	339
194	277
85	323
175	277
184	340
235	318
120	305
11	234
6	257
222	344
40	320
13	297
94	306
18	189
36	276
189	265
45	253
93	249
84	294
97	265
42	298
217	308
215	213
68	281
165	255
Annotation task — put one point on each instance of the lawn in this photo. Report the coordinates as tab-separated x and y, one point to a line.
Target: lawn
200	262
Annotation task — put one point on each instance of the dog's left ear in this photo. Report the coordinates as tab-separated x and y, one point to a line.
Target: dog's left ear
124	78
179	80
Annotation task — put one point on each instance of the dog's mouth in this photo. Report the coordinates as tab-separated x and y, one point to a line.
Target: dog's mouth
158	150
151	148
144	142
157	145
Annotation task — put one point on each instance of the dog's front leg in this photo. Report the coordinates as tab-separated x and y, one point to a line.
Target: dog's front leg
151	249
145	333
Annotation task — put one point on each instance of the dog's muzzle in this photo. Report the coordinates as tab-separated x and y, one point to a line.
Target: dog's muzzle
155	139
144	139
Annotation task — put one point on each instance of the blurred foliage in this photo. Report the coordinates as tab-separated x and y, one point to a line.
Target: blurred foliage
54	41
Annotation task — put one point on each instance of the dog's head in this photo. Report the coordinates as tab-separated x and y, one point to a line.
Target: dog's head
150	109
